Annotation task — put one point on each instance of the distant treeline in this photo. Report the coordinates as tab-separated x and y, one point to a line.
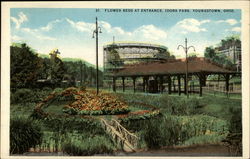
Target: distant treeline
28	70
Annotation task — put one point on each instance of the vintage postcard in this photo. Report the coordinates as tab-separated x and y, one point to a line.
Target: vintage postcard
133	79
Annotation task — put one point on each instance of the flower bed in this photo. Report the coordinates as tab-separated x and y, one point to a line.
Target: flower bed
84	103
88	103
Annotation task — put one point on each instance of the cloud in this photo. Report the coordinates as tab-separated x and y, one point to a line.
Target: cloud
37	34
81	26
15	38
192	25
205	21
184	32
33	32
146	31
229	21
50	25
150	32
41	37
106	26
236	29
18	21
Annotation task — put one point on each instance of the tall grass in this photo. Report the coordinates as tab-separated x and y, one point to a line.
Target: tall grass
171	105
24	134
169	130
88	146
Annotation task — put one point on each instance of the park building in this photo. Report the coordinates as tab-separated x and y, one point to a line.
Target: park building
233	52
143	67
117	55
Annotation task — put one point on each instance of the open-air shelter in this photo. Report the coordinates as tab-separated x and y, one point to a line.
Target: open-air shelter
199	67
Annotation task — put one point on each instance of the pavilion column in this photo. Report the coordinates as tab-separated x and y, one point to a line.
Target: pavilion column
174	83
146	81
114	84
134	78
200	82
123	84
227	83
161	84
185	85
189	87
169	85
179	84
156	84
144	84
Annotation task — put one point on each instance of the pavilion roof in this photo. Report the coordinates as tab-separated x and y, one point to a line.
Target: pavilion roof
174	67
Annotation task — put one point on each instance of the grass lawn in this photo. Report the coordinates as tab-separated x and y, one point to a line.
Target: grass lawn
197	120
23	110
219	106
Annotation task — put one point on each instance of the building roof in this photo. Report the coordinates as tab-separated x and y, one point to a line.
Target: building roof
134	44
172	67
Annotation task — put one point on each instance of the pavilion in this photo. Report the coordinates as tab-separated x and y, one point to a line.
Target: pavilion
165	71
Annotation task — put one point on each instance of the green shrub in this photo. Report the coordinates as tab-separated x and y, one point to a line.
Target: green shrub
168	104
23	96
60	124
235	120
175	130
204	139
58	90
47	89
89	146
160	132
24	134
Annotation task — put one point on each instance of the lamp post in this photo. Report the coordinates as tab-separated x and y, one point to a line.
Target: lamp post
95	35
186	48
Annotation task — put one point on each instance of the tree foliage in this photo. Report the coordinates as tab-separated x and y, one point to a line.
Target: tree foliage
56	68
25	66
165	55
222	59
229	41
213	53
115	58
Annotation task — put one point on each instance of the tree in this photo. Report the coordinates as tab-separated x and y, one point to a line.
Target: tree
114	57
25	66
164	55
213	55
193	55
209	52
233	40
57	67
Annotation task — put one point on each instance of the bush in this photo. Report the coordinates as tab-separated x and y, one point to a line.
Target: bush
88	147
22	96
235	120
168	104
175	130
179	106
161	131
25	96
24	134
204	139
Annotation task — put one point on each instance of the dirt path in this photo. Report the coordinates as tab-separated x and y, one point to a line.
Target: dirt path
192	151
204	150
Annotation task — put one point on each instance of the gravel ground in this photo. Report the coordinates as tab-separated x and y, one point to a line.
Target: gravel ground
204	150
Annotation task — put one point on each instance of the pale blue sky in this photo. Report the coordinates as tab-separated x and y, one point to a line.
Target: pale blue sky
70	30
